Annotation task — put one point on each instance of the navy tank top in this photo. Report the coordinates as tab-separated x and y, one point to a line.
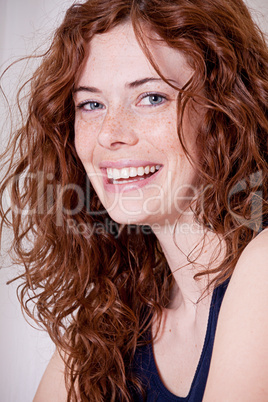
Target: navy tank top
145	368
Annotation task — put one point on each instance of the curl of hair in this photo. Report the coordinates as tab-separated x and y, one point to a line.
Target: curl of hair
96	292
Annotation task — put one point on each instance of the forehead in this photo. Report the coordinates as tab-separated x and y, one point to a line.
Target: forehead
117	54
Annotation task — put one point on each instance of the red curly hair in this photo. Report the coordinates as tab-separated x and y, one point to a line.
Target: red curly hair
96	292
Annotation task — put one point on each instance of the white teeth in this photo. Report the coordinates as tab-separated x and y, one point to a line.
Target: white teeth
133	172
125	173
116	174
110	173
128	172
140	171
127	181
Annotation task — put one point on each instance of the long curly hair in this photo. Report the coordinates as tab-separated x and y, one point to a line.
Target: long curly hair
96	285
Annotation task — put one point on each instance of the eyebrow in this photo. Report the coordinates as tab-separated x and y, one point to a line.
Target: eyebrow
143	81
134	84
86	89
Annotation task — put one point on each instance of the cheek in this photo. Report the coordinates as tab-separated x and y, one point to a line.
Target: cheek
83	141
167	140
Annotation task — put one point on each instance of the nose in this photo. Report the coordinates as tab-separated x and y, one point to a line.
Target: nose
117	130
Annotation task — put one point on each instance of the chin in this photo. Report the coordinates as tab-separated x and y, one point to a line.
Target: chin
124	219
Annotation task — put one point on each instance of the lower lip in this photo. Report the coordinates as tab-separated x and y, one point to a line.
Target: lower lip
125	187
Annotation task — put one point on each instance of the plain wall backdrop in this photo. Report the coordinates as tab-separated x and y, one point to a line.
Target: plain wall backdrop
24	351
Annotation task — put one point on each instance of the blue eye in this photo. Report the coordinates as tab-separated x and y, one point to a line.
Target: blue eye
155	99
152	99
90	106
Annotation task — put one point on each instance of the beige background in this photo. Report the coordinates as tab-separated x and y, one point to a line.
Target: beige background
25	352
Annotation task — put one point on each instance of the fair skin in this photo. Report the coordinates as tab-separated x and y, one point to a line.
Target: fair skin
126	119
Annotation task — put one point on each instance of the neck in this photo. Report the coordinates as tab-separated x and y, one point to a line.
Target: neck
189	250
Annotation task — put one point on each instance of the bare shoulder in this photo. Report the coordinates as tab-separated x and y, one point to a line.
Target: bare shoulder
253	262
239	365
52	386
258	244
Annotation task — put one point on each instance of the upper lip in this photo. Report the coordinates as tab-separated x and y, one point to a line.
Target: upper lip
119	164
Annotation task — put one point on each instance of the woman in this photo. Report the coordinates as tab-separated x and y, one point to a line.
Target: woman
143	169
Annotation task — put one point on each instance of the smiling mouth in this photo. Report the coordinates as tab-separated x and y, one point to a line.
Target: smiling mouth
131	174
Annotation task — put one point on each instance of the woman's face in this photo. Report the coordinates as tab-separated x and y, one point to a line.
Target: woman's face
126	129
